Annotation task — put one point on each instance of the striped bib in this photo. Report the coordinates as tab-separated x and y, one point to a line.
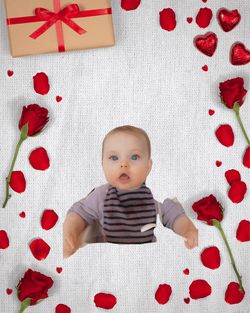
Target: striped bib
126	212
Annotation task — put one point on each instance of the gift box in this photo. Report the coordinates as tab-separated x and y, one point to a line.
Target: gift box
45	26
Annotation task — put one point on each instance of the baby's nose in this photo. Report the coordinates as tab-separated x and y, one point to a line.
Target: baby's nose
124	163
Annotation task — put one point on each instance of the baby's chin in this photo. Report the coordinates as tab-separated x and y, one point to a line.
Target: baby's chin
125	186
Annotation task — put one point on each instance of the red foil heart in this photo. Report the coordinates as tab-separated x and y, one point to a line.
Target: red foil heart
207	43
239	55
228	19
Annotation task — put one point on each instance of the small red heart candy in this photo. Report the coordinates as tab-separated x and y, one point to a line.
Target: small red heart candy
58	98
22	214
10	73
218	163
228	19
207	43
239	55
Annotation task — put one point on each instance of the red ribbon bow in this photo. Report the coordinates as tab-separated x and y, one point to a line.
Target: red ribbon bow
63	15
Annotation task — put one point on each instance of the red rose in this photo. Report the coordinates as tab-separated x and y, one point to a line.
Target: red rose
34	286
35	116
207	209
232	91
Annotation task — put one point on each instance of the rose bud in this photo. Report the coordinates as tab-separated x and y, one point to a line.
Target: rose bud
36	117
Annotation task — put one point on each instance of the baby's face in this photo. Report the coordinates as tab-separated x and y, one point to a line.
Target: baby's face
126	161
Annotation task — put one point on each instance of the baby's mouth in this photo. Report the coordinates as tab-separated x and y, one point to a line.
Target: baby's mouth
124	177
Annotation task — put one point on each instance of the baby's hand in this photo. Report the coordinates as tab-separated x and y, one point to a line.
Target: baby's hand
191	239
73	226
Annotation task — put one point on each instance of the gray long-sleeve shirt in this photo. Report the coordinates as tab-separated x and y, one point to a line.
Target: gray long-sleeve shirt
91	209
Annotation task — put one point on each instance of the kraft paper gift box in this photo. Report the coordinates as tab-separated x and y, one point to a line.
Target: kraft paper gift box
44	26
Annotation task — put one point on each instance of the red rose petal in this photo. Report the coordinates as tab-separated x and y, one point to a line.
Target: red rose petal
39	159
22	214
10	73
210	257
239	54
17	181
232	294
205	68
218	163
232	176
59	270
199	289
225	135
204	1
243	231
187	300
163	293
105	300
41	83
129	5
49	219
167	19
207	43
237	191
211	112
62	308
246	158
186	271
4	240
204	17
9	291
189	20
39	248
58	98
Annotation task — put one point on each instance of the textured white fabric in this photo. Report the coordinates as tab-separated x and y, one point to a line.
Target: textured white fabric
151	79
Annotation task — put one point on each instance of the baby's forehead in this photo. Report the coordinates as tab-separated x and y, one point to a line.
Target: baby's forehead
111	138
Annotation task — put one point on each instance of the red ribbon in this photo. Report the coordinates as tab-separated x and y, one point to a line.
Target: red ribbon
60	15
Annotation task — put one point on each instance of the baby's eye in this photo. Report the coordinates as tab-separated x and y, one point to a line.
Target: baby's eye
113	158
135	157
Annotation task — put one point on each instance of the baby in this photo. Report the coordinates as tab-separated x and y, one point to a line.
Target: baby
123	211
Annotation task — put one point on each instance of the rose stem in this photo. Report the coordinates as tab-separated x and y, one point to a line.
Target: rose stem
23	136
218	225
8	195
24	304
236	109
